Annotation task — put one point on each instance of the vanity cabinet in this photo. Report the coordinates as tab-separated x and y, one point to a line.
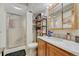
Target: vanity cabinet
46	49
50	50
41	48
55	51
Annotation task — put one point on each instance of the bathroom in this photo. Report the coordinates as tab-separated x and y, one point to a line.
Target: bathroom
35	29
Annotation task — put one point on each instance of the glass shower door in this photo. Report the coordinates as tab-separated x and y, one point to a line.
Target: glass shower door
15	32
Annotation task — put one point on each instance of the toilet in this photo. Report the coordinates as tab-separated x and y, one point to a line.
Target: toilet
32	49
32	45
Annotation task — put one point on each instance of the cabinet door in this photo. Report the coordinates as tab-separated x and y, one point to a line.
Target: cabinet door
41	48
55	51
60	52
50	50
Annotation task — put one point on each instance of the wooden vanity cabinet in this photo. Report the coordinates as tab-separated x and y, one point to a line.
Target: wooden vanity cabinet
55	51
41	48
50	50
46	49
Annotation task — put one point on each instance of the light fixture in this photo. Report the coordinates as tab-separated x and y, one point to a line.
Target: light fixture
50	4
17	8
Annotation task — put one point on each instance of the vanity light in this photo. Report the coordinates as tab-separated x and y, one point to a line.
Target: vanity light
50	4
17	8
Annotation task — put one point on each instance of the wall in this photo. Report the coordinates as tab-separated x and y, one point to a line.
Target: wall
62	33
29	34
2	26
29	28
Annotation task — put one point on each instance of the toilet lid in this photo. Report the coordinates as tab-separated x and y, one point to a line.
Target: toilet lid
32	45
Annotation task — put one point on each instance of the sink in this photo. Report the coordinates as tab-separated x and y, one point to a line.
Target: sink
32	45
54	39
48	37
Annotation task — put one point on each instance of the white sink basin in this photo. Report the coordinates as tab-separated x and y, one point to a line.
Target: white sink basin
53	38
32	45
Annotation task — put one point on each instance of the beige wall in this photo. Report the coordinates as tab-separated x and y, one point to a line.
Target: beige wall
62	33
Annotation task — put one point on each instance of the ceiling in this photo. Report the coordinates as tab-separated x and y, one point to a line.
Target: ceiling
35	8
15	8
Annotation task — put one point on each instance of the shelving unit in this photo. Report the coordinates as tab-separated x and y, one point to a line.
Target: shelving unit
41	26
44	26
34	30
38	28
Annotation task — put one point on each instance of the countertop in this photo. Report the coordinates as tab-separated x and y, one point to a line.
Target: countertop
67	45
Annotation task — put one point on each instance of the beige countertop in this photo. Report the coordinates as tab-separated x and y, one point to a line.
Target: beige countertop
70	46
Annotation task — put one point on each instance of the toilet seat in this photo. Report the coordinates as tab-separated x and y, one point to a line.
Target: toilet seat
32	45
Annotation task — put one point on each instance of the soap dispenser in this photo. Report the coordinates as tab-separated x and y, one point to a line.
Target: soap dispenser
50	33
68	36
